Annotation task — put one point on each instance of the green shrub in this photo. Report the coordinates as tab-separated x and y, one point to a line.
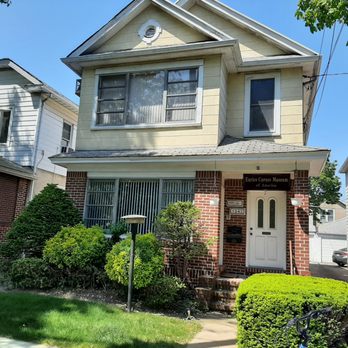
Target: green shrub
77	248
31	273
265	304
44	216
148	262
163	293
117	230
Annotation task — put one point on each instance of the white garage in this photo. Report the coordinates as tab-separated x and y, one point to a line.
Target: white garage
330	237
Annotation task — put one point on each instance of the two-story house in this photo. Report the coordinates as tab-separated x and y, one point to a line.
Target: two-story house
35	122
195	101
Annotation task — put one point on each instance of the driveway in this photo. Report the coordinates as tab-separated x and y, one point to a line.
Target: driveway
330	271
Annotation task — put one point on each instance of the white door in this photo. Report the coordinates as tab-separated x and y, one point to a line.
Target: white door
266	229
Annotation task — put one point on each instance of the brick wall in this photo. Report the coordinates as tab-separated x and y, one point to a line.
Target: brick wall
207	199
76	188
234	253
298	224
13	198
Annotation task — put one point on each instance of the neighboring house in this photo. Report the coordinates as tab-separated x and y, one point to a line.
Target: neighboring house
195	101
330	234
344	169
35	123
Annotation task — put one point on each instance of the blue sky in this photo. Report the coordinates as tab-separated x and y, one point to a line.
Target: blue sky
37	33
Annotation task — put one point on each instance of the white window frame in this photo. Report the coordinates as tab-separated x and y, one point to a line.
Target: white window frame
153	67
71	135
326	216
10	110
276	115
142	31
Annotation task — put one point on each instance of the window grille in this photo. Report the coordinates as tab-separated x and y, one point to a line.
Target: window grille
100	202
108	200
141	198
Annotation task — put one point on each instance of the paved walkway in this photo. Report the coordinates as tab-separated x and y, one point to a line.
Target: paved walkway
217	332
8	343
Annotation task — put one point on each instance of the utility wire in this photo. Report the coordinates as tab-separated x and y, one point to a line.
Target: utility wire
333	47
332	51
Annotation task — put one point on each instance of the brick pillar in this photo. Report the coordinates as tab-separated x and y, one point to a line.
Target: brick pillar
76	188
22	195
207	199
298	223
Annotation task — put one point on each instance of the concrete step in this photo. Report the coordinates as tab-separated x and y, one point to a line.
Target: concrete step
222	306
221	295
227	283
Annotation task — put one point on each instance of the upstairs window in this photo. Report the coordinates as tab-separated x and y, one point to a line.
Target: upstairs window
66	137
148	98
262	105
4	125
327	215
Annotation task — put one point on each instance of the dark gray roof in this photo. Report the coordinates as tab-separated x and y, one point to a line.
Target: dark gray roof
229	146
15	169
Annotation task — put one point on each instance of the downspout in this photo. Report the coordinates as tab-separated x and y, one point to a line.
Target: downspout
36	148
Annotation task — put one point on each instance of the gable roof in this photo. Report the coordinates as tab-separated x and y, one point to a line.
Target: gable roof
38	86
134	9
246	22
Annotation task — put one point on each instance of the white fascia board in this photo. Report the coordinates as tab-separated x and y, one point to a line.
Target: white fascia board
344	168
8	63
17	173
246	22
278	62
134	9
227	47
298	156
192	20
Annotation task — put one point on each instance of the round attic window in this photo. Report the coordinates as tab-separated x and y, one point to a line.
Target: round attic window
150	31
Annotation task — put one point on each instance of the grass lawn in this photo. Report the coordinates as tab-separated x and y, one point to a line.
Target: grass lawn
71	323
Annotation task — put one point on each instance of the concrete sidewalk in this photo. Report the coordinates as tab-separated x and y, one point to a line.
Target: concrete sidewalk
8	343
218	332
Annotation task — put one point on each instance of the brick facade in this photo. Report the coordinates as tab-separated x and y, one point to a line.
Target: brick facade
13	198
76	183
207	200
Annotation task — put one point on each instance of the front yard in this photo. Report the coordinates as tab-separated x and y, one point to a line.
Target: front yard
72	323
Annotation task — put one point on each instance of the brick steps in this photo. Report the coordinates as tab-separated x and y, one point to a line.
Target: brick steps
218	293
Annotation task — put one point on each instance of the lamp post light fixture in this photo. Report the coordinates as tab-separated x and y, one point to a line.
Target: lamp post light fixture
133	221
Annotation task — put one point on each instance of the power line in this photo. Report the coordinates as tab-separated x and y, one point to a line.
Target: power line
331	74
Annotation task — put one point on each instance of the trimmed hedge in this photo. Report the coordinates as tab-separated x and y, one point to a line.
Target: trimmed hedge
31	273
148	261
77	248
266	303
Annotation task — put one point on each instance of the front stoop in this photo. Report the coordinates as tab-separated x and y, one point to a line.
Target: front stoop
218	293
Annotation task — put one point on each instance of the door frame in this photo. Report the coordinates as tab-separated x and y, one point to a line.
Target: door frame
284	253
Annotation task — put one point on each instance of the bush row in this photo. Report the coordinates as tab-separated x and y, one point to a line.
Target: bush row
266	303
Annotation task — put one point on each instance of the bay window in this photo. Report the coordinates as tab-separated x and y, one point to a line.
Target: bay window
161	97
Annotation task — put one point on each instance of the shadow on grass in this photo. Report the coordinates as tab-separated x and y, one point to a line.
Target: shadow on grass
73	323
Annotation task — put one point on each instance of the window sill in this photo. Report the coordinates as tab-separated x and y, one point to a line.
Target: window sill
150	126
261	134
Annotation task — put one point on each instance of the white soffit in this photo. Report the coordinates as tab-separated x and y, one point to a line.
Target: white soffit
246	22
133	10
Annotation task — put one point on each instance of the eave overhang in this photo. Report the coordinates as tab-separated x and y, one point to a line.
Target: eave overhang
315	160
344	168
228	48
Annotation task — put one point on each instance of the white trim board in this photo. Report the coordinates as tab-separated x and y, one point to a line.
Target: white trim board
134	9
246	22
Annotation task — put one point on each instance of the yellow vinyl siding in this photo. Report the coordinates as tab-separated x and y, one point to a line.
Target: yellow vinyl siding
149	138
250	45
174	32
290	107
65	113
